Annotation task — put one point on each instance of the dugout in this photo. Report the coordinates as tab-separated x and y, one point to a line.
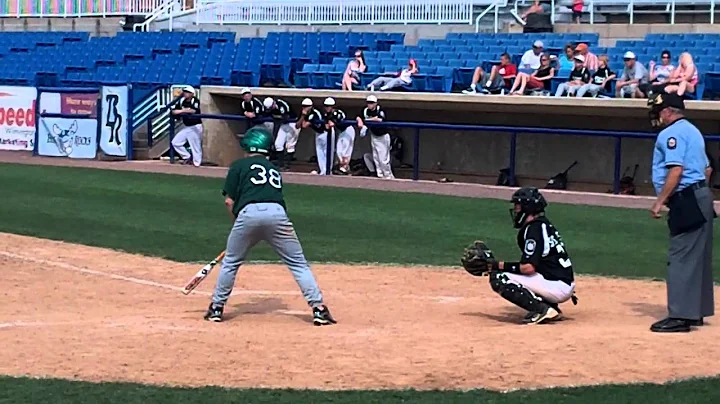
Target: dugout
476	156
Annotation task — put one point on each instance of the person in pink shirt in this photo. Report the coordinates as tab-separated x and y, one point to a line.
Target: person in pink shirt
591	61
685	76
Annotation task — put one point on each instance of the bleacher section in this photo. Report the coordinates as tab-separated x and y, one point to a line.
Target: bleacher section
164	58
304	60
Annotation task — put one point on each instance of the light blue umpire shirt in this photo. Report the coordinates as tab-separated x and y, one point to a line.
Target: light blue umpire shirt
682	144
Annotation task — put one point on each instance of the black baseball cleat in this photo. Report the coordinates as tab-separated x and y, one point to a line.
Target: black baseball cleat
671	325
214	313
696	323
547	315
322	316
528	317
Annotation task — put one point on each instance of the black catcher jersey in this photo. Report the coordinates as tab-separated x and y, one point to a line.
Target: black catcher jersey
543	247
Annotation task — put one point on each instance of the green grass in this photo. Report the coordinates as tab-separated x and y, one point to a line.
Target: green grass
183	219
26	390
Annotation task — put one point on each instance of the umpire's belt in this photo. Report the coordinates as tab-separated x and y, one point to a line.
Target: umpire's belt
685	214
697	185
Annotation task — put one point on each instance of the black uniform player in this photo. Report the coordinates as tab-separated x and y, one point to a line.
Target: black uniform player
543	278
283	133
335	124
252	108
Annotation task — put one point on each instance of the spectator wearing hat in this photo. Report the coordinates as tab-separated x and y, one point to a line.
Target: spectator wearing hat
579	76
285	134
192	131
633	76
601	80
591	61
531	58
404	78
379	138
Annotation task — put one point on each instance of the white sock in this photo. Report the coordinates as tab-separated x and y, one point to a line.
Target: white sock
473	85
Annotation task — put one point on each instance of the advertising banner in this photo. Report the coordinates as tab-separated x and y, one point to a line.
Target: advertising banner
68	137
113	128
17	118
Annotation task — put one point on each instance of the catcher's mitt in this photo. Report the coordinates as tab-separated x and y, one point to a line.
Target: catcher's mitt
478	259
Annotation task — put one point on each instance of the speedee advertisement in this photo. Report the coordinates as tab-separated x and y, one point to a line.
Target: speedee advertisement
17	118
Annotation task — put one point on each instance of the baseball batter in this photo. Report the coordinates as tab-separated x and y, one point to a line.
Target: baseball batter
543	278
193	130
254	197
287	134
380	139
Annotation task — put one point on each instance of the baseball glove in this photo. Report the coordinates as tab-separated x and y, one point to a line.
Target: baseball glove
478	259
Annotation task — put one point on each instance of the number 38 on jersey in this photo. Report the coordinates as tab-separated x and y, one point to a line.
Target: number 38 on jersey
262	175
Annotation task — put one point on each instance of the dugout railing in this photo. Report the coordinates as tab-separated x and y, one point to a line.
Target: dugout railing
512	130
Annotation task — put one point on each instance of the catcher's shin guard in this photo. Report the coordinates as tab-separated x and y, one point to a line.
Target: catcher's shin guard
515	293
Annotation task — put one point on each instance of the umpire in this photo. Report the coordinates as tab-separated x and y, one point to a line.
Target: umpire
680	174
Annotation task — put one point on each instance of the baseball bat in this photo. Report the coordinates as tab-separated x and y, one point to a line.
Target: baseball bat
202	274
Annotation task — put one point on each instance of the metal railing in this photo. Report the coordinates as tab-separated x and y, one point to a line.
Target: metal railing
77	8
283	12
495	7
512	130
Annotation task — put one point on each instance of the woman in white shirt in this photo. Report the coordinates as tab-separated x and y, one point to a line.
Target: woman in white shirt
403	79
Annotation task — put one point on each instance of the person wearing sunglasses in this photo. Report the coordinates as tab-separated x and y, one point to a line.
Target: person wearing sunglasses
660	73
352	72
537	80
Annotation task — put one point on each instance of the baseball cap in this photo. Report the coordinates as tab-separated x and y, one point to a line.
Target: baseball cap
307	102
188	89
371	98
244	90
664	100
268	102
329	101
581	47
579	58
629	55
537	44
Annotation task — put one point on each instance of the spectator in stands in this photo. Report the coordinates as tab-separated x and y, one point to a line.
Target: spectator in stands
579	76
685	77
601	79
404	78
537	8
568	61
500	76
353	70
659	74
591	61
577	9
531	58
538	80
634	75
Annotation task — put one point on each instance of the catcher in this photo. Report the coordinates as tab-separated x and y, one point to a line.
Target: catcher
543	278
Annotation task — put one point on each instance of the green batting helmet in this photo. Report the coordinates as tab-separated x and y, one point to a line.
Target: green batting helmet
257	140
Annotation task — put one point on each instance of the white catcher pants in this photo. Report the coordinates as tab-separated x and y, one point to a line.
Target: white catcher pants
287	138
345	143
193	136
321	143
551	291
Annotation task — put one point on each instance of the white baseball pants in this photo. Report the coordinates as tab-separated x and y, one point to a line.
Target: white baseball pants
193	136
287	138
345	143
321	144
551	291
381	155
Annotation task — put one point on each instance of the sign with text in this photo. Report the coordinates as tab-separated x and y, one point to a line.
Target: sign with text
113	128
74	137
17	118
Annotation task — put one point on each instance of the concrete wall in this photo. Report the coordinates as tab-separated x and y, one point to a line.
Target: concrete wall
609	33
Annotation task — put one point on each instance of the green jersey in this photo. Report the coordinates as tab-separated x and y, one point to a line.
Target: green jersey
253	180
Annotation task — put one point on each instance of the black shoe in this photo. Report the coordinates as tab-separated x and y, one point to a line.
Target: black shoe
322	316
696	323
529	317
671	325
214	313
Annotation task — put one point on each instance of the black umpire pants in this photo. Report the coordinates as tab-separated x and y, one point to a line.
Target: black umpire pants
690	275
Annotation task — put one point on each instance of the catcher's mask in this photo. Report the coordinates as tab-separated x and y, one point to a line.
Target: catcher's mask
658	102
526	201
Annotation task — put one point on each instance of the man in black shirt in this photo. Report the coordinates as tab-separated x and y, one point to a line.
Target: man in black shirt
379	138
286	134
578	77
193	130
543	278
310	118
253	109
335	123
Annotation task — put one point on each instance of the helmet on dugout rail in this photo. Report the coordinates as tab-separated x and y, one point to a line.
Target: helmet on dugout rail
526	201
257	140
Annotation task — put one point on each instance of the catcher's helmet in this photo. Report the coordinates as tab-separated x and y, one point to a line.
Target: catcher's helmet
530	202
257	140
